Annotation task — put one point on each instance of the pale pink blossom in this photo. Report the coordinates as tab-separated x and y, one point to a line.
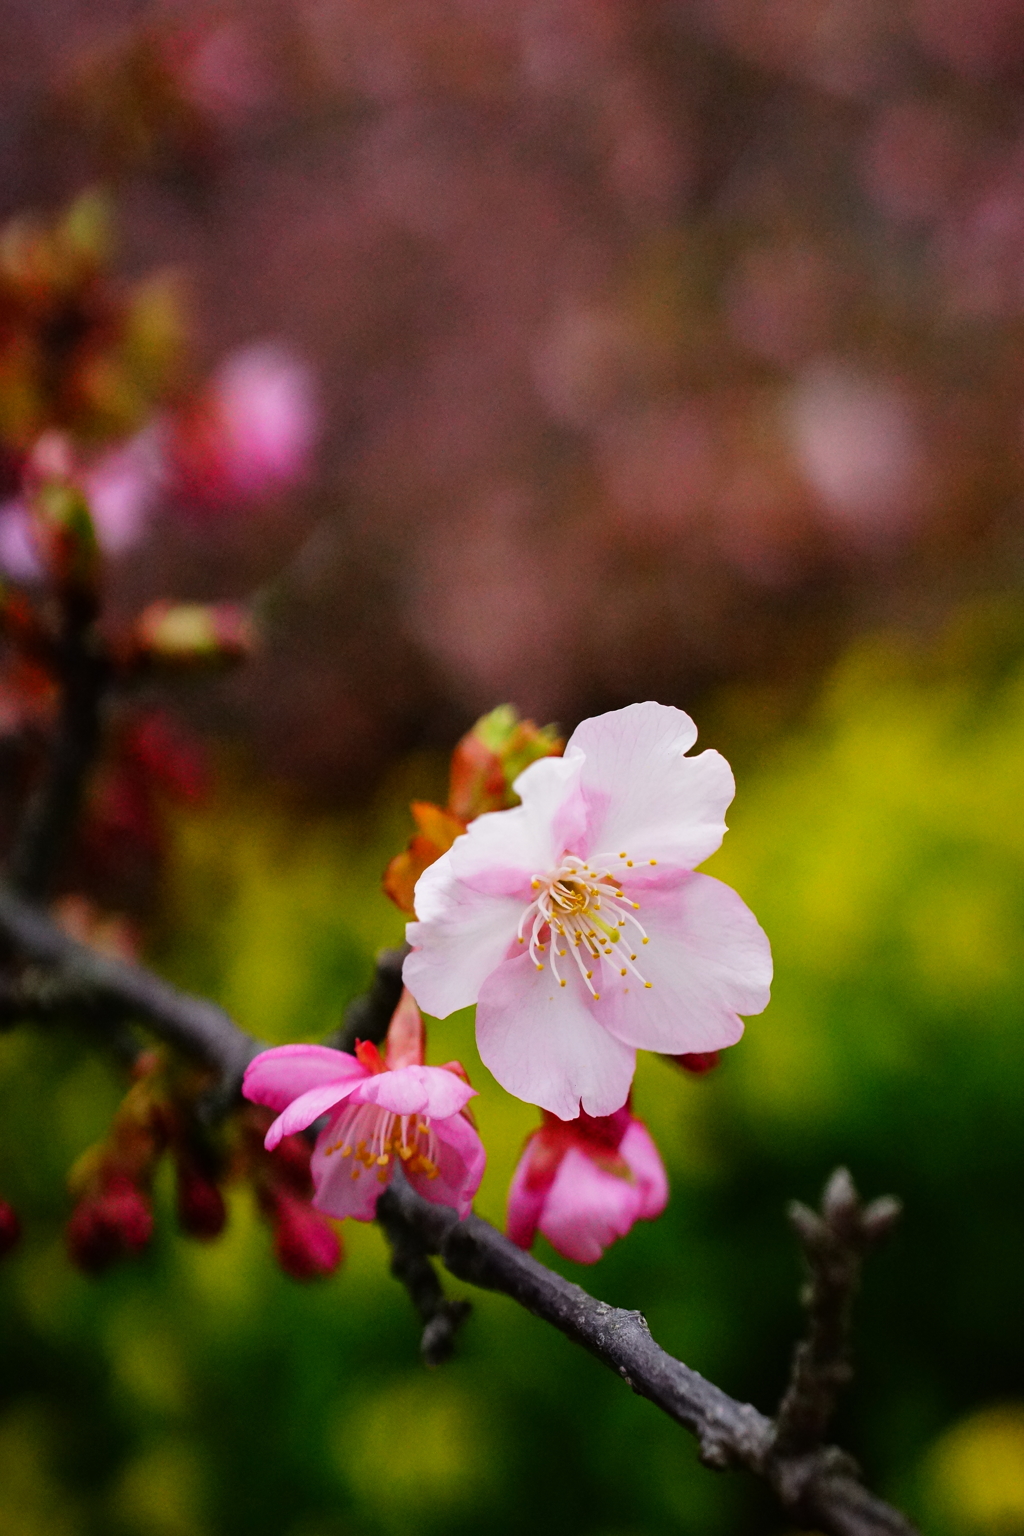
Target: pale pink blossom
383	1113
576	924
584	1183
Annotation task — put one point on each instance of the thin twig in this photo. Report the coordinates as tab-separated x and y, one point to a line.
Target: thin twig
818	1488
442	1316
834	1246
52	810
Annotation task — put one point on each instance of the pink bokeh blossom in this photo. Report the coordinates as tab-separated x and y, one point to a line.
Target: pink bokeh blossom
584	1183
253	431
383	1112
576	924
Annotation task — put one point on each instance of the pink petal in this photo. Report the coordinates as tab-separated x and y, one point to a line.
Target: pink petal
462	936
640	1153
707	961
460	1161
308	1107
544	1044
19	547
503	850
278	1076
644	797
428	1091
525	1201
587	1208
343	1186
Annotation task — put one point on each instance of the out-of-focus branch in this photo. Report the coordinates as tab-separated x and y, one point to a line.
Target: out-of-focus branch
368	1017
834	1245
191	1023
818	1487
50	816
442	1316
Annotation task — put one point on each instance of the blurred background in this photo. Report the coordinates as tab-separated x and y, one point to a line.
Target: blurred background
573	352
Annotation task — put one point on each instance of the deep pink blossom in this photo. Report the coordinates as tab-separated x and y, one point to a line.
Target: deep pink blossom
382	1112
584	1183
576	924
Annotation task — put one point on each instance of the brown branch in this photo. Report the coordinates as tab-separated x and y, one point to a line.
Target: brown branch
834	1245
818	1487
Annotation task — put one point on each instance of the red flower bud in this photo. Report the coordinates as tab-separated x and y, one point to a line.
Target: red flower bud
10	1228
113	1223
305	1244
289	1163
202	1212
697	1062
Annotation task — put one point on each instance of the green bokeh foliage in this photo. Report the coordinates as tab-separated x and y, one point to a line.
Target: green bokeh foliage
198	1391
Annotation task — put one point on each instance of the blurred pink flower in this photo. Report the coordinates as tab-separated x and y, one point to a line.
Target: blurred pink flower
253	431
858	444
532	915
121	485
585	1182
380	1115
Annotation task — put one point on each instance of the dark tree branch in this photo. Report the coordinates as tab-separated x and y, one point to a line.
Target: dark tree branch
52	810
410	1264
368	1017
834	1245
818	1487
191	1023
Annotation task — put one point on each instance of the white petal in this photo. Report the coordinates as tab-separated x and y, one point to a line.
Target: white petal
463	937
544	1044
503	850
707	961
643	796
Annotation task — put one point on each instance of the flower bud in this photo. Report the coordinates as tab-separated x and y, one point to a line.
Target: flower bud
697	1063
67	532
202	1211
10	1228
484	764
111	1223
305	1244
491	756
194	634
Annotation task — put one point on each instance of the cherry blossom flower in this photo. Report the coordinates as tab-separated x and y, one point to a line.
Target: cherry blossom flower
576	924
383	1112
252	432
585	1182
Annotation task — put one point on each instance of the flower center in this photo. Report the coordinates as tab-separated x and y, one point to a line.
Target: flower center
582	908
372	1136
